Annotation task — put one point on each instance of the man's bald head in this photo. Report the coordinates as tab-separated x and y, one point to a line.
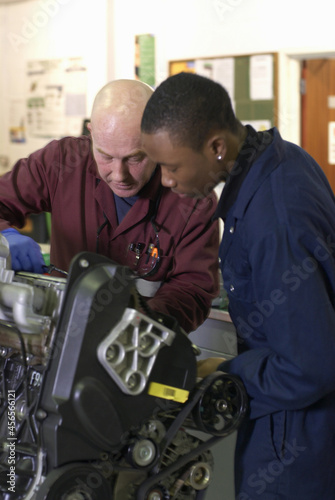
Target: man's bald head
116	136
122	99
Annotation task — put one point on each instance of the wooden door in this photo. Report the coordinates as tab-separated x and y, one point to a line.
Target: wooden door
318	110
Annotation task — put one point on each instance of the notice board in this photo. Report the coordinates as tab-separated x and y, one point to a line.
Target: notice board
251	81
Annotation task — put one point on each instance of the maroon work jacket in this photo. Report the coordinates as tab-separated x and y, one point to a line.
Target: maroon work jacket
62	179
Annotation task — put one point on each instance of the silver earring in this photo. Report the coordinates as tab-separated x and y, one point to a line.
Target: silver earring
219	157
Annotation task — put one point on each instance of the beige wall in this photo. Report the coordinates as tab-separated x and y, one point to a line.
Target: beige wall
103	31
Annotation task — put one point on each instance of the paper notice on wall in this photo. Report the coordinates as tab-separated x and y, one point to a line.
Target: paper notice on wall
261	77
331	102
331	143
56	97
224	73
220	70
204	67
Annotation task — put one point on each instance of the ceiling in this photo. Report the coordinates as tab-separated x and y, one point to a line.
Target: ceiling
4	2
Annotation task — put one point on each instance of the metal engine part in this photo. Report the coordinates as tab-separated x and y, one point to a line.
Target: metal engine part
99	398
129	352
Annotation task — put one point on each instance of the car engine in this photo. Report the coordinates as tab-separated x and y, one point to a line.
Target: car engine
99	396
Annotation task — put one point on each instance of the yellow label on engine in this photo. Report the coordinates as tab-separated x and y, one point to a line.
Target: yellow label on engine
167	392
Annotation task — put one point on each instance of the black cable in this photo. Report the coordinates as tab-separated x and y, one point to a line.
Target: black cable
16	331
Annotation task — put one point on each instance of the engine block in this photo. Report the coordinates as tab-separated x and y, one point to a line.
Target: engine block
99	397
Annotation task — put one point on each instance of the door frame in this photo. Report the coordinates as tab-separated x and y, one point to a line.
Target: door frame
289	97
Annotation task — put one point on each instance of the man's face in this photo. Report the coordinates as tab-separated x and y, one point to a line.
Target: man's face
121	161
185	171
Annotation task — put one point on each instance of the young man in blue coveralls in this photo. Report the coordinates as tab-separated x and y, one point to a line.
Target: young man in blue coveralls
278	266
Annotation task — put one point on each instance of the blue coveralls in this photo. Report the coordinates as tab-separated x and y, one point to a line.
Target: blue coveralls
278	265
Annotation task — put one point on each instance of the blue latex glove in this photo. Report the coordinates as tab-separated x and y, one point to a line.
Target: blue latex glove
25	253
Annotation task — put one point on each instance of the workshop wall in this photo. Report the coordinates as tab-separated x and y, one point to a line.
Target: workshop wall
102	32
37	30
187	29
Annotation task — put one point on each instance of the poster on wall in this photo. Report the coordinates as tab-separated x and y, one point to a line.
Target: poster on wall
56	97
145	59
179	66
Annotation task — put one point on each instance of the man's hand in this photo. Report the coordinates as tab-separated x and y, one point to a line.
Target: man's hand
25	253
208	366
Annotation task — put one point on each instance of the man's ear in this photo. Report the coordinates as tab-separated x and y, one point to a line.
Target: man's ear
89	126
217	145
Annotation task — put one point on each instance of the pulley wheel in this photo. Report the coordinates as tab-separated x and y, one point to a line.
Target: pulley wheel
158	492
75	482
222	406
142	453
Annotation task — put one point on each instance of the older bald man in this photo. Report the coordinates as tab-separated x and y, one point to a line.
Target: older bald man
105	195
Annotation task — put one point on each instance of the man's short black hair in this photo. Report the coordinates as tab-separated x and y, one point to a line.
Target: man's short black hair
188	107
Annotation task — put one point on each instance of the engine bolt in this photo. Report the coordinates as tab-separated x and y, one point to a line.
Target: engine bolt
41	414
154	496
151	427
3	352
132	382
21	409
221	405
84	263
143	343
